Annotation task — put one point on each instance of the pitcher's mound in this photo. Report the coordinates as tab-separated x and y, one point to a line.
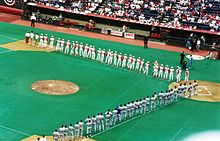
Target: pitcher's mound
55	87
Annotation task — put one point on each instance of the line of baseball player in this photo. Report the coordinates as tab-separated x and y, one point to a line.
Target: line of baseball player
108	57
123	112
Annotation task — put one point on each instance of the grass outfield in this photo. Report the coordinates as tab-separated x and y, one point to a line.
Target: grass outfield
101	87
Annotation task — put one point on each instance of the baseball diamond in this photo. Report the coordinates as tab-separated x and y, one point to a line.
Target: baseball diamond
45	86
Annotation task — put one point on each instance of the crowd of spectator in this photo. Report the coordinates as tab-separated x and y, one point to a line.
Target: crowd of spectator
85	6
190	14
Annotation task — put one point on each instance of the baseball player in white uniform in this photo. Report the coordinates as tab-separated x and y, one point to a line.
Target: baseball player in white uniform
138	63
72	48
45	40
124	60
88	122
129	62
65	133
36	39
133	60
161	71
67	48
99	55
27	38
71	131
93	53
146	68
108	115
81	49
41	40
190	89
89	54
61	133
102	56
119	60
58	44
31	38
166	72
153	101
110	58
76	127
187	75
56	135
114	116
86	49
94	123
107	56
195	85
62	42
51	42
141	68
155	70
81	128
77	48
115	58
171	73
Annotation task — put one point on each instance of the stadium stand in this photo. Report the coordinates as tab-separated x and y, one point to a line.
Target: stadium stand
193	14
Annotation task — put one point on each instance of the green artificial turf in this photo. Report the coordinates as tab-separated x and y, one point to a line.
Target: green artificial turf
101	87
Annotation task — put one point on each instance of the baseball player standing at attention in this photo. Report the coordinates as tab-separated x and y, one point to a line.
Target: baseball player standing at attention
124	61
141	68
58	44
161	98
108	115
190	89
27	37
99	126
51	42
129	62
62	42
114	117
86	47
45	40
94	123
76	127
148	103
187	75
110	58
184	88
119	60
65	133
72	48
146	69
133	60
77	48
88	122
36	39
102	121
32	38
166	72
138	63
153	101
177	74
81	128
115	58
102	56
55	135
66	51
89	128
61	132
81	49
93	53
107	56
171	73
99	55
161	71
195	85
41	40
89	54
71	131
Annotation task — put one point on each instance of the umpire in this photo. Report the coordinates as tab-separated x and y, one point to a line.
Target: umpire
33	20
145	41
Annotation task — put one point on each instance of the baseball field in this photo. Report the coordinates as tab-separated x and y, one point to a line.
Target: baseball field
25	112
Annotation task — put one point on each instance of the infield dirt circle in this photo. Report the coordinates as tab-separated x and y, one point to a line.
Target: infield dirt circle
55	87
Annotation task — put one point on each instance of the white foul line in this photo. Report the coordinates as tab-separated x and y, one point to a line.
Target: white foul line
16	131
